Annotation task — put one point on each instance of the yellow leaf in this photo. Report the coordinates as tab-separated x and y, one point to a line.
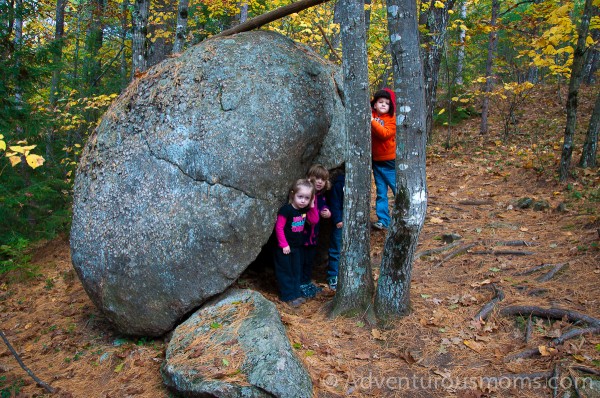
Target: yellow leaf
377	335
454	99
14	160
2	145
436	220
546	351
17	148
34	161
439	4
475	346
442	111
579	358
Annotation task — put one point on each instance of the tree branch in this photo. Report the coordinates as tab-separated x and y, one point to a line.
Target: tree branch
271	16
25	368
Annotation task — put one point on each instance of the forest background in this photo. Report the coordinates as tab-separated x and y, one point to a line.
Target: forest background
63	63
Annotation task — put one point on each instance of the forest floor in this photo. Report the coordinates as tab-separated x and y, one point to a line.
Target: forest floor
438	350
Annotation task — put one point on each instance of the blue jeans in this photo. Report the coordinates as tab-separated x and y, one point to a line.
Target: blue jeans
384	173
335	248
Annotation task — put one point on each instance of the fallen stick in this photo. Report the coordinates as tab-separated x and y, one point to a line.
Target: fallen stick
455	253
436	250
554	313
557	341
515	243
25	368
551	273
487	309
555	376
528	330
575	387
587	370
534	269
504	252
519	377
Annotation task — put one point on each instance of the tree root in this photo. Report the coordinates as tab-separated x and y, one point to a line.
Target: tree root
504	252
555	342
487	309
587	370
455	253
436	250
475	202
553	313
532	270
551	273
24	367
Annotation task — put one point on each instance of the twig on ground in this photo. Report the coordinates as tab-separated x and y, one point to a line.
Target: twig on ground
532	270
436	250
587	370
555	377
455	253
487	309
25	368
528	330
554	313
516	243
519	376
574	383
546	277
503	252
557	341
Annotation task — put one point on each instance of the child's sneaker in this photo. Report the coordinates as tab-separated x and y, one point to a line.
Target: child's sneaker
316	289
332	282
307	290
296	302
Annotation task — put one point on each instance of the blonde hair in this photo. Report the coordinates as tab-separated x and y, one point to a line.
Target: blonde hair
301	183
319	171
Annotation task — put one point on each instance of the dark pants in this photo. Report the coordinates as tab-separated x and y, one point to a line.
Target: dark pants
310	253
335	248
288	268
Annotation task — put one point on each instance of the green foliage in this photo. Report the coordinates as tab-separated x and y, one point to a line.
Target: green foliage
12	389
14	256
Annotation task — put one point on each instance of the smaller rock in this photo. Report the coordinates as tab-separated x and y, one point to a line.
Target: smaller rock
235	346
561	208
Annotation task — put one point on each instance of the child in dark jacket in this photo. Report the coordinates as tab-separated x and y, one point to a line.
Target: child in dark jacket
336	206
319	176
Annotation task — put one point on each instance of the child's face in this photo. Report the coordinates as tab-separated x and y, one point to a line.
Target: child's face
319	183
301	198
382	106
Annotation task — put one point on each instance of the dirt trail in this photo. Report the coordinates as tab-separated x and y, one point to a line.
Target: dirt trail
436	351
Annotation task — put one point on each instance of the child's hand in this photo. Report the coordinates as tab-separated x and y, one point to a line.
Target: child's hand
325	213
312	202
286	250
339	225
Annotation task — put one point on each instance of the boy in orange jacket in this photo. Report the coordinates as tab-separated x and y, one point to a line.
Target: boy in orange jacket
383	138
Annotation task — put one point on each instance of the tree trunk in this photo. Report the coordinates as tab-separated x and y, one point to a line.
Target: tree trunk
574	83
124	30
489	80
59	31
462	35
436	22
592	60
181	29
139	40
92	64
393	289
590	146
355	280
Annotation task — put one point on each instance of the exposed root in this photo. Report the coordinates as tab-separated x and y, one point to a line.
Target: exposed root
550	274
455	253
487	309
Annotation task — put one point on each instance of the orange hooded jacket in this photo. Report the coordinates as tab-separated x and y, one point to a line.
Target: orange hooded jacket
383	131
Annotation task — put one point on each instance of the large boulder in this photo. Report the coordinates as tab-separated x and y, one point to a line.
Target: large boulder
235	346
178	187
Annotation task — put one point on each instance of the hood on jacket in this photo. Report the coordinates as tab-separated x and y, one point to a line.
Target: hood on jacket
385	93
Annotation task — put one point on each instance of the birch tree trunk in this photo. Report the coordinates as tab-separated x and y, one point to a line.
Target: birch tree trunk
489	80
574	83
181	29
462	35
355	279
393	289
590	146
139	41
